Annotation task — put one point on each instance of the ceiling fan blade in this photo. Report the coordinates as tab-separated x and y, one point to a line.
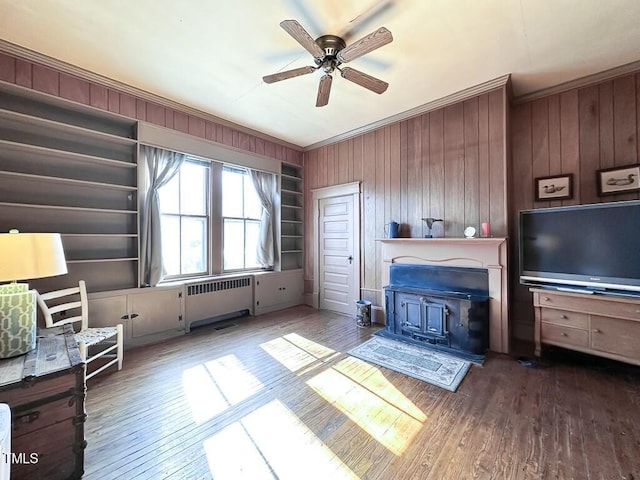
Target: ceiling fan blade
298	32
323	90
364	80
296	72
367	44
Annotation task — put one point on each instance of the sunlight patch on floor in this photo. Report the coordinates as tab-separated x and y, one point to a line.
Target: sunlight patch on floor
316	349
384	421
371	378
213	387
272	442
233	379
297	353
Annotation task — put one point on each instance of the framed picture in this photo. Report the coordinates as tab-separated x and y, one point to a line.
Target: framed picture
559	187
619	180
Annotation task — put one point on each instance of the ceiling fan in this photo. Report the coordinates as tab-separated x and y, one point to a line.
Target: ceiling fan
329	53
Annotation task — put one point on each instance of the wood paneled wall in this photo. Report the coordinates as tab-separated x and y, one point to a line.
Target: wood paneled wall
449	163
579	131
47	80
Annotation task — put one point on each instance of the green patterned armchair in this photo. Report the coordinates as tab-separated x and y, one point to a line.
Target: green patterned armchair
18	319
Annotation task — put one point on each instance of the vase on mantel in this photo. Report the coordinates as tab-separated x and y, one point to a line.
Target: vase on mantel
435	227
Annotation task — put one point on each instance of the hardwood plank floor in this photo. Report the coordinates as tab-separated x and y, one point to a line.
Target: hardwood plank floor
276	396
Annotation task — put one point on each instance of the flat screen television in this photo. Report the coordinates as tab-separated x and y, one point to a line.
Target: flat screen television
594	247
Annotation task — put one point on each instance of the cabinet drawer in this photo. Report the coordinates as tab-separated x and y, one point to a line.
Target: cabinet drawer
560	334
564	317
615	336
596	304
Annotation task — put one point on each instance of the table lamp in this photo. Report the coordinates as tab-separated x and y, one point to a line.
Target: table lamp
24	256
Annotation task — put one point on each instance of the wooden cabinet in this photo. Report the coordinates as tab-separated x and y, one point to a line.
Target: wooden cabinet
71	169
147	314
277	290
291	217
608	326
45	391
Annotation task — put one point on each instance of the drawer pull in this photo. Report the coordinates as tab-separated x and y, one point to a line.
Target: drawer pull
564	334
28	417
563	317
596	330
547	299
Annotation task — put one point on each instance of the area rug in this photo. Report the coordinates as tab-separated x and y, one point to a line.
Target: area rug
427	365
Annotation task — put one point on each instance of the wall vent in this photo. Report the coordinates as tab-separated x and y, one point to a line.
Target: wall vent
215	300
218	285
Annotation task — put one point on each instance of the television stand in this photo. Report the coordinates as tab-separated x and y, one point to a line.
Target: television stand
603	325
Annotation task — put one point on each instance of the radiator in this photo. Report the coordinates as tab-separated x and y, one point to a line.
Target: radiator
216	300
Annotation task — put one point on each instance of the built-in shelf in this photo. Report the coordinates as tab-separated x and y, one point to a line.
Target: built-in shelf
69	209
100	235
25	152
71	169
104	260
16	176
291	217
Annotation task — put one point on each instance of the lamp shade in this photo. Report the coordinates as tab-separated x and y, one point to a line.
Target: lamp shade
31	255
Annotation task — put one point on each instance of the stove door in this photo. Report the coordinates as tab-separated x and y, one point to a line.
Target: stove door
409	315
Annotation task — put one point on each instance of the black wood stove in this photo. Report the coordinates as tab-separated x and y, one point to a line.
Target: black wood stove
446	308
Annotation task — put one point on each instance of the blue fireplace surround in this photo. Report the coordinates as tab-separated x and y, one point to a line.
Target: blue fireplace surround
440	307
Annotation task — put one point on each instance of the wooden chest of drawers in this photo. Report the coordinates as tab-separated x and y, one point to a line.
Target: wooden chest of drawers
45	390
607	326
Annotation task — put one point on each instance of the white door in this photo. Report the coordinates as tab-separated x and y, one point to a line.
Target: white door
337	288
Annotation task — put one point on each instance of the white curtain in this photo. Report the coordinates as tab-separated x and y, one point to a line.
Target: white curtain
265	185
160	167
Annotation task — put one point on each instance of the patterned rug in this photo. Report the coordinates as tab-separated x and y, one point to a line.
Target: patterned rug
424	364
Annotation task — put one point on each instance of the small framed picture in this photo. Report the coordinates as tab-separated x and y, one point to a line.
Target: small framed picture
559	187
619	180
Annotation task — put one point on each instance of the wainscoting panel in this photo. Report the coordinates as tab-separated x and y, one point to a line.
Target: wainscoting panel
449	163
576	132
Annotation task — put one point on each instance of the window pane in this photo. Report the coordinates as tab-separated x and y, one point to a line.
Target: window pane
194	241
232	193
171	244
252	205
193	188
233	255
251	249
169	196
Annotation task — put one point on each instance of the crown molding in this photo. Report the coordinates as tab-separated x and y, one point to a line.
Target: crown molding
460	96
622	70
40	58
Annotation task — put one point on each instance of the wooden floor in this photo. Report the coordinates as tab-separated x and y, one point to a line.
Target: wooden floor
277	396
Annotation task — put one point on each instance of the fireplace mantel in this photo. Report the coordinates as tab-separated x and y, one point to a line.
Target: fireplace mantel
489	253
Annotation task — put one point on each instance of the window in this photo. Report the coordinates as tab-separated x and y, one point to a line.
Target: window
184	202
241	212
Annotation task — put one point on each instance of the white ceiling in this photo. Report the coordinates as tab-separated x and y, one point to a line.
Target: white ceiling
211	54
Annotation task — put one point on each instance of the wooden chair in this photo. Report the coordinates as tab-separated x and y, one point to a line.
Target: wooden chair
87	337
